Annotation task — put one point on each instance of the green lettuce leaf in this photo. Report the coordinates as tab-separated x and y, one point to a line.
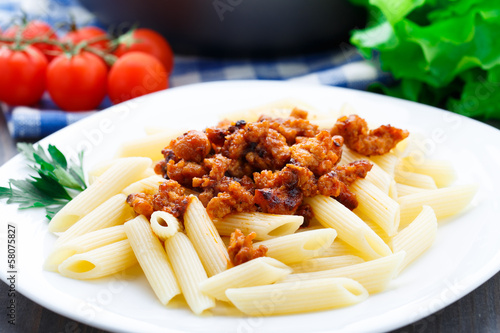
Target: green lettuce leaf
443	53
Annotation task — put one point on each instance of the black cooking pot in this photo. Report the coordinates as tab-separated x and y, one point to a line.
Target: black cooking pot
237	27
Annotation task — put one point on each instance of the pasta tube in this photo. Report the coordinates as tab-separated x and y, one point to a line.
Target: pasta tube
441	171
265	226
407	189
387	162
189	272
113	211
100	262
82	244
146	185
374	275
111	182
445	202
417	237
340	248
377	176
414	179
149	146
300	246
164	224
377	205
350	228
205	238
295	297
152	258
256	272
322	264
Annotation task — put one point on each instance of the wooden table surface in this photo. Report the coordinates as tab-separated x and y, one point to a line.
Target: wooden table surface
477	312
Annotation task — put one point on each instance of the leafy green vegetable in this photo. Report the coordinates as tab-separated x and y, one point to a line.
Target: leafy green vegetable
58	180
444	53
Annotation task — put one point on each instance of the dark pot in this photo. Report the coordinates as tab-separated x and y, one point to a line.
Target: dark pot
237	27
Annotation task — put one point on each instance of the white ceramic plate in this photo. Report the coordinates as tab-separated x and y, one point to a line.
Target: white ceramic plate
466	252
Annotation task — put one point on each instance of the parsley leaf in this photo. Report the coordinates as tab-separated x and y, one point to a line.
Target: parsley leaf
57	182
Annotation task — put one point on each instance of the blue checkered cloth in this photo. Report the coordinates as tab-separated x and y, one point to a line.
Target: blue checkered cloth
344	68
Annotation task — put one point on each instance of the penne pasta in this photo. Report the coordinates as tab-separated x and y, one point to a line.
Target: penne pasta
294	297
256	272
121	174
404	147
350	228
374	275
114	211
265	226
147	185
445	202
83	243
393	190
189	272
417	237
376	205
205	238
325	263
149	146
377	176
340	248
164	224
99	169
300	246
375	227
100	262
387	162
152	258
414	179
441	171
407	189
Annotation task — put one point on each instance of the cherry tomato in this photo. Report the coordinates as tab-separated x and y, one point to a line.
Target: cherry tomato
88	33
148	41
135	74
36	29
78	82
22	81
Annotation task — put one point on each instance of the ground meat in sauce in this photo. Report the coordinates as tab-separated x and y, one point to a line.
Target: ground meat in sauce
293	126
319	154
230	196
184	172
223	195
241	248
269	149
142	203
305	210
348	173
283	200
191	146
268	166
367	142
170	198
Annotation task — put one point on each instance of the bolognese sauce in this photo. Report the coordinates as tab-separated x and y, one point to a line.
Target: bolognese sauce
268	166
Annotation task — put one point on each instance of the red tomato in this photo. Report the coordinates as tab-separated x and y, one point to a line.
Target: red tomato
135	74
148	41
77	83
22	81
36	29
88	33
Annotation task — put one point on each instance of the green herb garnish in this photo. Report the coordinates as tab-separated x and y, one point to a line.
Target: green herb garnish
58	181
444	53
